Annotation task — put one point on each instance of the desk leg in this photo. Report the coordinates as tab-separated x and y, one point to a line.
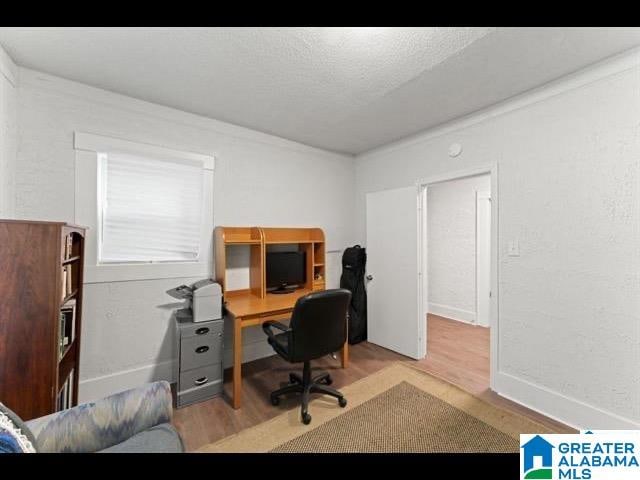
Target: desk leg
345	354
237	362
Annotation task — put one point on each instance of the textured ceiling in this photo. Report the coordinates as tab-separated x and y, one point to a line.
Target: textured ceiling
342	89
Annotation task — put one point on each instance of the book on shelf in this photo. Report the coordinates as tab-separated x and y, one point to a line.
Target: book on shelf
66	393
64	282
67	325
61	334
70	390
72	306
68	247
69	281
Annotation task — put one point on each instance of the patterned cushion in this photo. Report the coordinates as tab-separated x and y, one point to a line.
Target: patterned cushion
97	425
15	437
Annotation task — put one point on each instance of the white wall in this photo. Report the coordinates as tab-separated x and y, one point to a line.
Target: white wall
8	134
568	160
451	247
258	180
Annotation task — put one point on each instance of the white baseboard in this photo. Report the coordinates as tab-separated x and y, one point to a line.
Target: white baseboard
100	387
569	411
453	313
103	386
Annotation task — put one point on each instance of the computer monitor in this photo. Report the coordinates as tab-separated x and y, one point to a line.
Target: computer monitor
285	271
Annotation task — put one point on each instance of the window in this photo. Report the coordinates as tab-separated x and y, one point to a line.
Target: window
150	209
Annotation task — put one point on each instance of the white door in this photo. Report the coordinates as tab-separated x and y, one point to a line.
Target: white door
483	258
392	271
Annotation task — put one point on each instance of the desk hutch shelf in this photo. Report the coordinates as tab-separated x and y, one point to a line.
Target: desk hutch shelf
260	239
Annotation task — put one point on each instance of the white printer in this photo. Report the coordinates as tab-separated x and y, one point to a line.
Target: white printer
205	299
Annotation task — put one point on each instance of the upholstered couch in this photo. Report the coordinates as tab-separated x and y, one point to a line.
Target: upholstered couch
136	420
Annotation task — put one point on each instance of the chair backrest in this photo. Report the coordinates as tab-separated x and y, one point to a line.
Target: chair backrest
319	324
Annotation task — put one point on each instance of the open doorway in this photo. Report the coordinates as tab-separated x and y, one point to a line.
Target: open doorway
457	288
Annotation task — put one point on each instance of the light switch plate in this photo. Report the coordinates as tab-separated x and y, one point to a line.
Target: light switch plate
514	248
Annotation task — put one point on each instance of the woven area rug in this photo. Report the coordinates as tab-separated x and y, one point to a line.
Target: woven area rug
398	409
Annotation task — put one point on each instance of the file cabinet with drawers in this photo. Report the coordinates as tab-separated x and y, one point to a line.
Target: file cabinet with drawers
199	366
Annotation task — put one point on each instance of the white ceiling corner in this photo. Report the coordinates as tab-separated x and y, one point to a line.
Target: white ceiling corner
341	89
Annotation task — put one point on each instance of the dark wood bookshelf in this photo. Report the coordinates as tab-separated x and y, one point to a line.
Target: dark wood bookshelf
34	368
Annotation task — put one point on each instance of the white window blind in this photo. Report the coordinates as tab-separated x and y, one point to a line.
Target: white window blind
151	209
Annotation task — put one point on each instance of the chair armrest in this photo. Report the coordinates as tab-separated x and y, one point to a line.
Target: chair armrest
267	326
94	426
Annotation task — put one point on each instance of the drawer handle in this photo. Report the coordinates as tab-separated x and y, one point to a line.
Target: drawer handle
202	331
202	349
201	381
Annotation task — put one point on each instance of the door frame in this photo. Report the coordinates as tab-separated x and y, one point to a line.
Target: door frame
423	281
481	195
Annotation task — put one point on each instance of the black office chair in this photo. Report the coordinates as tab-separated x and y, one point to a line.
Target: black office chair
317	328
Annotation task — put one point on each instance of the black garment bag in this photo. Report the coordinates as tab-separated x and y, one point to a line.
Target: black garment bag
354	260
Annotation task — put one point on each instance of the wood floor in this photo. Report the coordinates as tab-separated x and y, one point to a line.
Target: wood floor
457	352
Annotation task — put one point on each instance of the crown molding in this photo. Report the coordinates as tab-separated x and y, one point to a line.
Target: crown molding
81	91
8	68
606	68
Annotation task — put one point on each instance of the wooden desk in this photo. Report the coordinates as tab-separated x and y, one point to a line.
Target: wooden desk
249	310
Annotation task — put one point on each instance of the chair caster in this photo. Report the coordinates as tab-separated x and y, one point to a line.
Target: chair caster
342	402
323	379
306	418
275	401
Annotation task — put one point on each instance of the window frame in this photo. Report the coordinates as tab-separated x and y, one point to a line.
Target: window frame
88	148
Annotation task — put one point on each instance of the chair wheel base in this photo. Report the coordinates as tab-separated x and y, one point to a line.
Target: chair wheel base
307	385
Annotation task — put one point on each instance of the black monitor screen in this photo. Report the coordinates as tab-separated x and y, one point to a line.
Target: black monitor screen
285	268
